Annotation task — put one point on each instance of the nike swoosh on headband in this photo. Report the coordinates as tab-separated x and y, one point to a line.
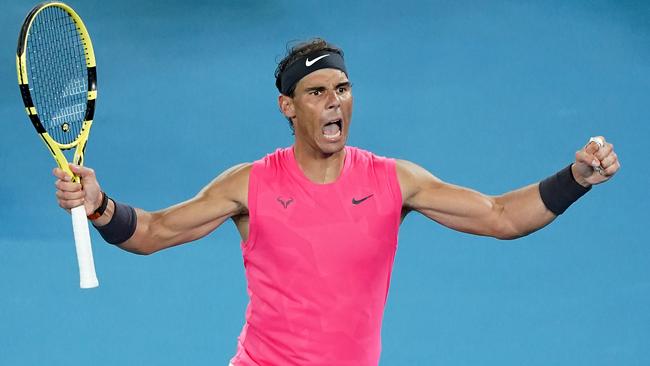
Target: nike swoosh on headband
311	62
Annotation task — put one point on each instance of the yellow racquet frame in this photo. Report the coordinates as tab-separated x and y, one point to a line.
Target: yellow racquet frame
55	147
87	276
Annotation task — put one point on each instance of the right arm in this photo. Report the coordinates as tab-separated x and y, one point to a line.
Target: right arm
226	196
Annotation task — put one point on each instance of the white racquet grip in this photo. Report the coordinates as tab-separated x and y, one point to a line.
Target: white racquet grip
87	276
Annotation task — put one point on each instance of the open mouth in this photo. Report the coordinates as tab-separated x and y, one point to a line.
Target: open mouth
333	129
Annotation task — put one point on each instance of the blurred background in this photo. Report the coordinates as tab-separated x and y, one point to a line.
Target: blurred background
492	95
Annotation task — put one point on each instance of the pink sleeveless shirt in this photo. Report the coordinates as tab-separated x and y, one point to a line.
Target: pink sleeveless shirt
318	262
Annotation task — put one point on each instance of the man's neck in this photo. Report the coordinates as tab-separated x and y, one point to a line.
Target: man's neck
318	167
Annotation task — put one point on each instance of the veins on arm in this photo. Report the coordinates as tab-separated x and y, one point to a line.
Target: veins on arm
460	208
224	197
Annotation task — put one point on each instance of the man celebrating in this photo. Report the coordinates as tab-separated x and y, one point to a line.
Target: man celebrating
319	220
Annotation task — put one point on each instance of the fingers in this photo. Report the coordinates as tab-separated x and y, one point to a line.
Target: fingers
612	169
592	147
82	171
600	150
70	200
609	160
604	151
68	194
61	174
610	164
587	158
600	155
70	204
67	186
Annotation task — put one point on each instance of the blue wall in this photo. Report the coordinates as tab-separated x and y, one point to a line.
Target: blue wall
490	95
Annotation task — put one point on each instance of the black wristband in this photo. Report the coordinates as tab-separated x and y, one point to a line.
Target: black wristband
560	190
122	224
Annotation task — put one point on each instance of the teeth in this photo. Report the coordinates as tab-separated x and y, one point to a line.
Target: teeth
337	134
332	130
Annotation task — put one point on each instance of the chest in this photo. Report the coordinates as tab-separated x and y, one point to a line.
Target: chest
352	223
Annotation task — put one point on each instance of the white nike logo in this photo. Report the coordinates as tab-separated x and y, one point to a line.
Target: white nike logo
309	63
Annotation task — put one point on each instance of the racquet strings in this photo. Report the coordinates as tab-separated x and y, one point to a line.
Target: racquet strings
57	73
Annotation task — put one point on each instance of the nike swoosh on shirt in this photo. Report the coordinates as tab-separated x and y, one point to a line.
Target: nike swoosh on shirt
309	62
356	202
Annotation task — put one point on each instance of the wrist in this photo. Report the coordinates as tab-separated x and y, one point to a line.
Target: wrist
118	224
99	211
561	190
106	216
578	178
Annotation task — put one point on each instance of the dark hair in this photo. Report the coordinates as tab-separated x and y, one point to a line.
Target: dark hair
298	50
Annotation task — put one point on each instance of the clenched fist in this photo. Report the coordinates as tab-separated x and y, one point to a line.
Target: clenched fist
595	163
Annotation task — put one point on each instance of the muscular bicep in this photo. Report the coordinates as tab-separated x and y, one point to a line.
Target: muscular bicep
453	206
224	197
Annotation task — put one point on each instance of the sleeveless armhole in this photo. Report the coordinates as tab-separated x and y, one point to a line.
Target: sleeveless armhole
393	185
252	207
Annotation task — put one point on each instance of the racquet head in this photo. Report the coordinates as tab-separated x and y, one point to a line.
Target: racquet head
57	77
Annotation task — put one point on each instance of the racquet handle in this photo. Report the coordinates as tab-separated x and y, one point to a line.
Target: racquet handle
87	276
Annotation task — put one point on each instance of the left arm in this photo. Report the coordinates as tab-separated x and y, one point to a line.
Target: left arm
508	216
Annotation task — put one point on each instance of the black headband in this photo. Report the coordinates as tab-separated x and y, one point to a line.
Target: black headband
306	65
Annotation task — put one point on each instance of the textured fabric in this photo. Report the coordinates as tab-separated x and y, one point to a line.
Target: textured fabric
560	190
318	262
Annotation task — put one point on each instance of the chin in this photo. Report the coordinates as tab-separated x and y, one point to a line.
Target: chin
330	148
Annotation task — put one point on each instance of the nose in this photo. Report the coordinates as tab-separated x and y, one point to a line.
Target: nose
333	99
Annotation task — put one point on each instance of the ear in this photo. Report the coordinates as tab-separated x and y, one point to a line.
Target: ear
286	106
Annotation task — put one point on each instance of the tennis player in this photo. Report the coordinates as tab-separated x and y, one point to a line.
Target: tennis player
319	220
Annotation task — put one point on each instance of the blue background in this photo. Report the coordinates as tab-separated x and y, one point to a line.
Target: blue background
490	95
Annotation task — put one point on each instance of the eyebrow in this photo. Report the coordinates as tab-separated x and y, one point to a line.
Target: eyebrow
314	88
322	88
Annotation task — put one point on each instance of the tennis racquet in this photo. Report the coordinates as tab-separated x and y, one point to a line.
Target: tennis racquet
57	78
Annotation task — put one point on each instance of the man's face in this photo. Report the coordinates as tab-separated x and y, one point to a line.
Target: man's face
321	110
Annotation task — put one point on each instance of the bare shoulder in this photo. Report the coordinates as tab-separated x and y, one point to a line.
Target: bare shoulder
413	179
230	185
